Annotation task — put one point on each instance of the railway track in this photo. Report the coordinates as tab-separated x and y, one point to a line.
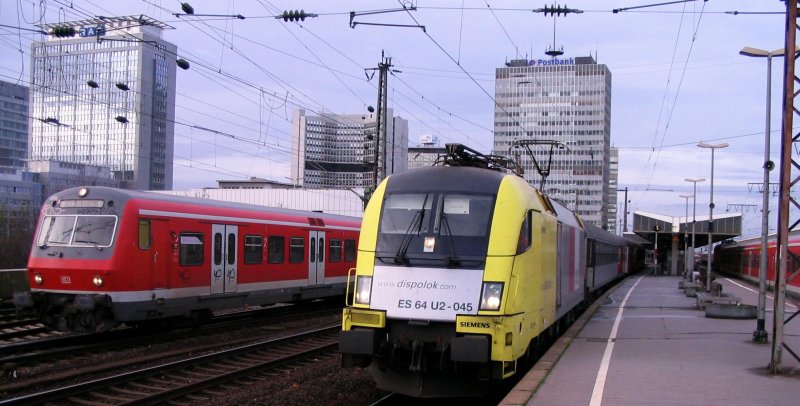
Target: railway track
15	330
38	363
192	377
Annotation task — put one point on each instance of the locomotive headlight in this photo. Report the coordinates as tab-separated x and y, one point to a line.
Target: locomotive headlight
38	278
491	294
363	289
98	281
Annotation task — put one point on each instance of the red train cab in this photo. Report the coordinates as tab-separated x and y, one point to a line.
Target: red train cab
103	256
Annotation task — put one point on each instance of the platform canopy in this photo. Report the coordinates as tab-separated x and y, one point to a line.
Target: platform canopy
725	226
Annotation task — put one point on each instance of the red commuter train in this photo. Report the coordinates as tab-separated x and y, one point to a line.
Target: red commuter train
102	257
741	258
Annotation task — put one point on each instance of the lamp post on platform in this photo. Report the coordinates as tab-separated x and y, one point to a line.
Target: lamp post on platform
709	260
760	335
694	218
686	239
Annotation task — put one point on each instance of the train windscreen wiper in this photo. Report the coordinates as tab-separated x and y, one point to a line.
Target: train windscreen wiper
94	244
453	258
416	222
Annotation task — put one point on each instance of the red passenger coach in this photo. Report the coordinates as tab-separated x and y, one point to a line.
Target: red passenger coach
103	256
742	258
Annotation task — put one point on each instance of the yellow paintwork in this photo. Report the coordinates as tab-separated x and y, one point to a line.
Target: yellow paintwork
362	318
529	295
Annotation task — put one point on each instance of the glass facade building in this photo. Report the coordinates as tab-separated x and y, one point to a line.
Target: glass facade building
338	150
13	125
106	97
567	101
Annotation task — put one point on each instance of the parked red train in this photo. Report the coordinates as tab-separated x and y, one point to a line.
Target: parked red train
103	256
741	258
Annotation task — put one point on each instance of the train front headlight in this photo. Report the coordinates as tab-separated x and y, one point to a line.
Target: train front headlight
38	278
363	289
491	294
98	281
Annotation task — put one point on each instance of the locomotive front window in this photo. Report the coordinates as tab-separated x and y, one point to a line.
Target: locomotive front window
431	226
403	213
77	231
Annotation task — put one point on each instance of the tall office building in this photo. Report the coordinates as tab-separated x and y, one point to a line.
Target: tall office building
20	194
13	125
338	150
613	189
565	101
105	96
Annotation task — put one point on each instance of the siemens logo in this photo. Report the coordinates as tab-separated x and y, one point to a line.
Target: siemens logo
473	324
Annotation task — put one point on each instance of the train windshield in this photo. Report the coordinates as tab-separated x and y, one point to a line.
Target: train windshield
77	231
435	226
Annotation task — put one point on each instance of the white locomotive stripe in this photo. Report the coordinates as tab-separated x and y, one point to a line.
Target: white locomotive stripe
600	382
234	219
200	291
753	290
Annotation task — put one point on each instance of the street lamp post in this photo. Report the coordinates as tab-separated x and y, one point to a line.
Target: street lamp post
709	261
686	239
694	219
760	335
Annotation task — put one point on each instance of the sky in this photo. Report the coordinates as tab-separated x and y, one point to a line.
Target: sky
677	80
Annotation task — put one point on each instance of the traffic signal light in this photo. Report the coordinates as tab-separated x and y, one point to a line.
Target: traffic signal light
63	31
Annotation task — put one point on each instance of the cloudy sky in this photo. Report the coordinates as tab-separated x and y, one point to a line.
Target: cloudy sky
677	79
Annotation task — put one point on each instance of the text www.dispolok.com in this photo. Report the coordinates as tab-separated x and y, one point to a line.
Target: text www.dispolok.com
431	285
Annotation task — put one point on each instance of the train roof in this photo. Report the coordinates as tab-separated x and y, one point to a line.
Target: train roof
794	236
448	179
125	194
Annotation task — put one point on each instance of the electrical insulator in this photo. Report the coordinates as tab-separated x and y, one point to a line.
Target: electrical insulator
295	15
63	31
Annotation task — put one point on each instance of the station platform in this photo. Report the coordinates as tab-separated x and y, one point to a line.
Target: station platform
647	343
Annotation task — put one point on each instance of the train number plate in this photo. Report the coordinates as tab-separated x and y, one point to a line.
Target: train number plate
426	293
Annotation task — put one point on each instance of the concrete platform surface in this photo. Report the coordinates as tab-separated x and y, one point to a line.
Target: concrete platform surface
647	343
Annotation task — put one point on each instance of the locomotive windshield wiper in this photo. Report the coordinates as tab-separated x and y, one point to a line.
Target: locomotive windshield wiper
416	222
453	258
96	245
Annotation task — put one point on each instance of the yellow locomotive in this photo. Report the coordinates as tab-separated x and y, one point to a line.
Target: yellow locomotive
462	271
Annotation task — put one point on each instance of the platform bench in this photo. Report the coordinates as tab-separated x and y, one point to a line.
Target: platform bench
704	298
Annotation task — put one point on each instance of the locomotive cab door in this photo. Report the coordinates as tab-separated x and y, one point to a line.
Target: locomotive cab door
224	272
316	257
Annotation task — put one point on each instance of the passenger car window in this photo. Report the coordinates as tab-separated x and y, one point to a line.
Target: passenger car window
191	249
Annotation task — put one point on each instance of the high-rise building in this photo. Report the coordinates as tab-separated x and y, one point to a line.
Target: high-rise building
20	194
13	125
566	104
613	188
103	94
338	150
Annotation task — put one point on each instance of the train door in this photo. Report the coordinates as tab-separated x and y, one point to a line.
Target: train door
224	273
316	257
155	242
